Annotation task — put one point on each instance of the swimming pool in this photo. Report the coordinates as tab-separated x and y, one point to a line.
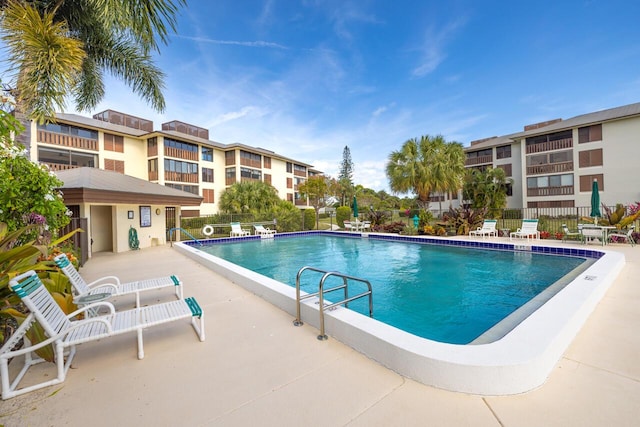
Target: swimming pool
444	293
519	361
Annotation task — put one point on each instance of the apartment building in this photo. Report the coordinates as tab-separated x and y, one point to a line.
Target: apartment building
179	155
554	163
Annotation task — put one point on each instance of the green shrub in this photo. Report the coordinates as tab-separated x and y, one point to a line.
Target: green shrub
342	213
309	219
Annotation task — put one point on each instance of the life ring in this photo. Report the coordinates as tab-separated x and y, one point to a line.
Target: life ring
207	230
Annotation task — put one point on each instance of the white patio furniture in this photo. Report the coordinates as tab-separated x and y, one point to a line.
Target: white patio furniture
263	231
528	230
110	285
237	230
621	236
64	334
488	229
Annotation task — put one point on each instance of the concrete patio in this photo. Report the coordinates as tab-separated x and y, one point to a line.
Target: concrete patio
255	368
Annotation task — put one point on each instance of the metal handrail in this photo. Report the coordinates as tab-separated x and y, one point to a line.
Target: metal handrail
185	232
322	291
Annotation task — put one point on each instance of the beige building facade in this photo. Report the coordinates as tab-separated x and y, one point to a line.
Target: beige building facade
179	156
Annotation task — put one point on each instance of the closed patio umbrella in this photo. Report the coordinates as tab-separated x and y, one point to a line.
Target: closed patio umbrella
355	207
595	202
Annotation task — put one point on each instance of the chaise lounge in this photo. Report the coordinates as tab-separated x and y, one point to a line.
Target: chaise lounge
237	230
111	284
529	230
488	229
64	334
261	230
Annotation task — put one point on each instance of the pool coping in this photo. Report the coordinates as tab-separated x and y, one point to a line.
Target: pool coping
519	362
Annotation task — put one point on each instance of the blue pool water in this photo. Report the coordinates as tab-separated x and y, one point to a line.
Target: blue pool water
442	293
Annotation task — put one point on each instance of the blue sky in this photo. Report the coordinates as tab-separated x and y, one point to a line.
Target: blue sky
307	78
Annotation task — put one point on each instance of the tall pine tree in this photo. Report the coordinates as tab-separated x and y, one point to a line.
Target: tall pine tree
345	177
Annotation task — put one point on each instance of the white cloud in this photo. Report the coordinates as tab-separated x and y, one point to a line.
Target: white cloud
435	41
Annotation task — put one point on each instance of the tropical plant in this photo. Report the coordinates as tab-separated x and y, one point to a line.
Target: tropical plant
249	197
27	192
464	219
486	189
426	166
62	47
287	216
343	213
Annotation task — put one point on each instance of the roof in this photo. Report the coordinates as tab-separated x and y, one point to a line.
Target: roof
82	185
99	124
585	119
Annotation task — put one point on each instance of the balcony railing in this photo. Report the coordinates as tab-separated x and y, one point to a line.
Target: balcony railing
550	168
67	140
251	163
153	175
55	167
550	191
559	144
478	160
296	172
230	180
181	177
181	154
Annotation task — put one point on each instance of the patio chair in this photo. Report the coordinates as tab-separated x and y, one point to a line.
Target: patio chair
488	229
572	235
262	230
624	237
236	230
348	226
111	284
529	229
64	334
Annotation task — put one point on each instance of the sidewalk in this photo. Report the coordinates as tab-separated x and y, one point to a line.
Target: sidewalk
256	368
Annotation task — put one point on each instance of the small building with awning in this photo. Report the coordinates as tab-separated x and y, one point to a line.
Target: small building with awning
117	206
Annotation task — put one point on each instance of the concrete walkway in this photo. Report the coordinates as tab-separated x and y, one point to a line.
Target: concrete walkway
256	369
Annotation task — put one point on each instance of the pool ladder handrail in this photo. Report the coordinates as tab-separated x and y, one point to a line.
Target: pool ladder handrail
185	232
321	292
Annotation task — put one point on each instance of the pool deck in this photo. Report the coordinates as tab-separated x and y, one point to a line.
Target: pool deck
256	368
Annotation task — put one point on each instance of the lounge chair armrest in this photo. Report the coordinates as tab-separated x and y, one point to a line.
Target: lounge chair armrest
110	280
94	305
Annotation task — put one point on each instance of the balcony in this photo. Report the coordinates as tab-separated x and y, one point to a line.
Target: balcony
550	168
559	144
181	154
153	175
55	167
478	160
67	140
297	172
550	191
250	162
181	177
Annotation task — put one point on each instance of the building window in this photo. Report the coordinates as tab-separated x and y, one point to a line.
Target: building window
290	197
193	189
506	168
267	178
69	130
152	147
289	167
207	154
503	152
207	175
550	181
247	174
551	204
65	159
586	182
267	162
113	143
229	158
207	195
230	176
250	159
153	169
590	133
590	158
114	165
176	170
289	183
172	143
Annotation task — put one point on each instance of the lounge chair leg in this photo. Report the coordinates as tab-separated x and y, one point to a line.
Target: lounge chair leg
140	345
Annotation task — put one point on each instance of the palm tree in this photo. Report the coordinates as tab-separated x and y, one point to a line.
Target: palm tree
425	166
63	47
253	197
487	189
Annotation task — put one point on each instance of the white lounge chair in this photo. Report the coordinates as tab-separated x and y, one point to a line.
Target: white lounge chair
64	333
624	237
529	230
263	231
236	230
488	229
348	226
111	284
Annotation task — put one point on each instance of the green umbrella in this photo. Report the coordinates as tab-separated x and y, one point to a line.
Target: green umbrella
355	207
595	200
